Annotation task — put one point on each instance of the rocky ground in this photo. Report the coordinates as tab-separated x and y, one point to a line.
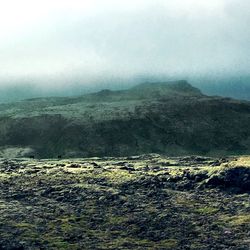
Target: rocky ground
144	202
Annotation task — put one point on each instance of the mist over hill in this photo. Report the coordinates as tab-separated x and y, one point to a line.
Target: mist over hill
171	118
125	124
68	48
237	87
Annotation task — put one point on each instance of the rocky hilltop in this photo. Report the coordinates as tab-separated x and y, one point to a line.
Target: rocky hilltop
170	118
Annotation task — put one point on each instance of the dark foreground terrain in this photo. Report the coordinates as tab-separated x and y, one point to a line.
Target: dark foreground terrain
144	202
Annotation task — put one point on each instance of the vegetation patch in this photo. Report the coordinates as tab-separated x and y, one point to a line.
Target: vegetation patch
141	202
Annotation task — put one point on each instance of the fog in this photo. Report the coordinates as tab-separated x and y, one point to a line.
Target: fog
69	46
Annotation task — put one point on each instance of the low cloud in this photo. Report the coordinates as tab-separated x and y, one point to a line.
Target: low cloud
85	41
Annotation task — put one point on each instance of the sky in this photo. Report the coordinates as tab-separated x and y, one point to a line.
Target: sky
58	42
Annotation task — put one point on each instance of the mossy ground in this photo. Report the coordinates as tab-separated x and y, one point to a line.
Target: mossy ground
144	202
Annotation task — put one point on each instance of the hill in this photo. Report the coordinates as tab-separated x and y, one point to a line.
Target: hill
171	118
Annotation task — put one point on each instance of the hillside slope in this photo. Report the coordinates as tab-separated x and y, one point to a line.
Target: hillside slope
170	118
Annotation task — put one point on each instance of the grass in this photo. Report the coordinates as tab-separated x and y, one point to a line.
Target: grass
207	210
239	220
106	207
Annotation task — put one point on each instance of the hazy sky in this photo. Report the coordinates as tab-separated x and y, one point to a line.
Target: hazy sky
63	40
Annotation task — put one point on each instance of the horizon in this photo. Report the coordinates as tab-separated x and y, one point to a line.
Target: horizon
220	86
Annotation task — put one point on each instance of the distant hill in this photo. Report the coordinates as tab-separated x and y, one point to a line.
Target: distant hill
237	87
171	118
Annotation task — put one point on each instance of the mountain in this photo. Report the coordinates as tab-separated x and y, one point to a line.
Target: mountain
170	118
233	86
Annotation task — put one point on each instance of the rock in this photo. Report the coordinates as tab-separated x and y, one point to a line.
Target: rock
215	163
95	164
128	167
75	165
236	177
